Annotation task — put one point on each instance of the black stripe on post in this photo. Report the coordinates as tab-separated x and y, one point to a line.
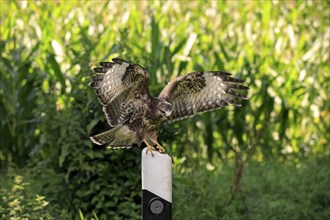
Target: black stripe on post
154	207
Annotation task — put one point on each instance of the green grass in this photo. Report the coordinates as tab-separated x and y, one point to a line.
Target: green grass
269	190
281	49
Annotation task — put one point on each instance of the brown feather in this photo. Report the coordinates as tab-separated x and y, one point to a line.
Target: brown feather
117	81
202	91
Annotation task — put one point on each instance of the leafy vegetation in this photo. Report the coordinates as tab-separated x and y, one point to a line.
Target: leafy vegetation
268	159
20	203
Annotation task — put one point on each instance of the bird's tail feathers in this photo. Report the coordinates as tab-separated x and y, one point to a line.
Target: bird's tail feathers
104	137
115	137
116	144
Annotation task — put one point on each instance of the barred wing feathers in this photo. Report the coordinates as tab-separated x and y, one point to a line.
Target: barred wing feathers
202	91
115	82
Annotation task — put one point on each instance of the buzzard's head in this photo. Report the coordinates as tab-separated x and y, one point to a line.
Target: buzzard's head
165	109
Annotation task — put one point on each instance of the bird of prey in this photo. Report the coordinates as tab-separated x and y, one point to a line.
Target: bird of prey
123	91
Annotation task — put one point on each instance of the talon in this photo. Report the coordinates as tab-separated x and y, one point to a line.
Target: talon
150	149
160	149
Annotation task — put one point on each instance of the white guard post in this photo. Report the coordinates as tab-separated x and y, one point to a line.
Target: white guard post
156	173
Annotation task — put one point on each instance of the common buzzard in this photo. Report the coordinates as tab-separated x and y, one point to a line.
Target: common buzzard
123	90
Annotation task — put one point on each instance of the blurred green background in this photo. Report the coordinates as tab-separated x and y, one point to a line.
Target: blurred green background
268	159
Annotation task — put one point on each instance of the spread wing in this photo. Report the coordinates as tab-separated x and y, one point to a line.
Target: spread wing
201	92
116	83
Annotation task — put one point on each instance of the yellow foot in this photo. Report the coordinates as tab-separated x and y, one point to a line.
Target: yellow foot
150	149
160	149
